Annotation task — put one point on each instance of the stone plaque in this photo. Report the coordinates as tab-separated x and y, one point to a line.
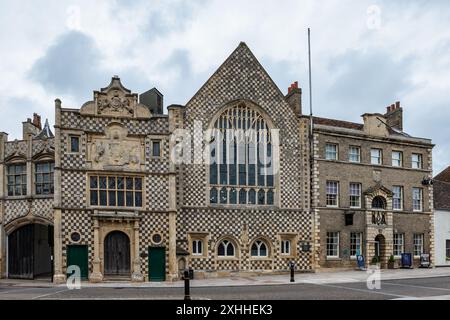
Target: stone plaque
116	150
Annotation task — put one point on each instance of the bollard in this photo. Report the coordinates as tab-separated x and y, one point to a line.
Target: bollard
292	266
187	291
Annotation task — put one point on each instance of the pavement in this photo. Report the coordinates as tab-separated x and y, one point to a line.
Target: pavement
323	276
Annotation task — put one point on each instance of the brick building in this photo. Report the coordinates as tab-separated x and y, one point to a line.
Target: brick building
222	184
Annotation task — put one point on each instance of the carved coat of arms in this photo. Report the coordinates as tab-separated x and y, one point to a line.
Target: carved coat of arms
116	149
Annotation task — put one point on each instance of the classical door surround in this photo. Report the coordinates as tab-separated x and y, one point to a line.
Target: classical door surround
379	223
106	222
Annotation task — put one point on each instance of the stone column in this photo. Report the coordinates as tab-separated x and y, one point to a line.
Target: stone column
96	275
29	166
175	122
59	276
137	274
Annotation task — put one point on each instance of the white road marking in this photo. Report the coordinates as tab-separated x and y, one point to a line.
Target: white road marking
413	286
364	290
49	294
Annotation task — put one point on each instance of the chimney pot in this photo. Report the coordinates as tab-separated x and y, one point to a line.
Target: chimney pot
397	105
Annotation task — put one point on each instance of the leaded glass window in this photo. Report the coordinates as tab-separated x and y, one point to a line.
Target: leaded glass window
241	158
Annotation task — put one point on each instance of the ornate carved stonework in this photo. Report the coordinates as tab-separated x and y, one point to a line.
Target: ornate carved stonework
115	105
116	150
115	101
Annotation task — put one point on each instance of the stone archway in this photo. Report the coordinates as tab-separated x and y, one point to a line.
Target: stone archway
30	248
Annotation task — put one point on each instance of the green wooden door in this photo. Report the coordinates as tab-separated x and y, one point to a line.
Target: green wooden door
78	255
157	263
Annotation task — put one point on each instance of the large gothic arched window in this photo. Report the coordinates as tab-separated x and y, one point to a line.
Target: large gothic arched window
241	153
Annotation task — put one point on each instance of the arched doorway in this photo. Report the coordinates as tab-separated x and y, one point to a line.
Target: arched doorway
380	250
117	254
30	248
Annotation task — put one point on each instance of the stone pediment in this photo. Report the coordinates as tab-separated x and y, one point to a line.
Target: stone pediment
377	190
115	101
115	150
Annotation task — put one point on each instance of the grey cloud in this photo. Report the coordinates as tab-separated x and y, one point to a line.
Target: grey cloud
70	66
368	81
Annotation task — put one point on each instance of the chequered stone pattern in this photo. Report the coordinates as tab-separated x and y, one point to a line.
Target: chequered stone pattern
14	209
43	208
73	160
156	164
73	189
73	120
77	221
157	192
152	223
42	146
242	77
229	223
16	148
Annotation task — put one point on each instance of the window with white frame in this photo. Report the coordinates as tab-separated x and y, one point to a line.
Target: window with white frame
332	193
17	179
241	169
397	198
355	244
197	247
376	156
417	199
354	154
286	247
416	161
397	158
418	244
331	151
332	244
399	244
259	249
355	195
225	249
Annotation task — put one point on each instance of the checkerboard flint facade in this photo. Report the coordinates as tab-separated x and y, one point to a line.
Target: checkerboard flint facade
240	78
114	137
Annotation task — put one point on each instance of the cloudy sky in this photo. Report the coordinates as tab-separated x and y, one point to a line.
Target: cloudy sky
366	54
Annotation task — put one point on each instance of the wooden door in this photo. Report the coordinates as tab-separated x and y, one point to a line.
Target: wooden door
78	255
21	253
117	254
157	263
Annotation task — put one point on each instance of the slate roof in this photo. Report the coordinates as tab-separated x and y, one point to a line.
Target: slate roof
441	190
46	132
338	123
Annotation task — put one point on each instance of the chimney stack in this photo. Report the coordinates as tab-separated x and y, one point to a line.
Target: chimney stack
294	98
37	121
394	116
